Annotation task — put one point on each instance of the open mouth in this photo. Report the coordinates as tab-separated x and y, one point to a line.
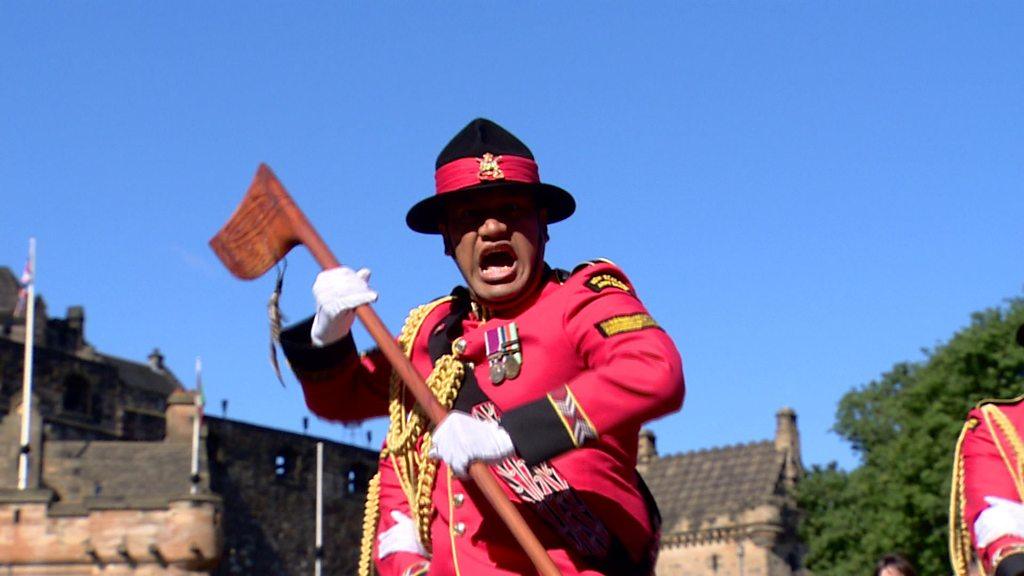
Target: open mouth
498	263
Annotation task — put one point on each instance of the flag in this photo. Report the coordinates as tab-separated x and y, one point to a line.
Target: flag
23	283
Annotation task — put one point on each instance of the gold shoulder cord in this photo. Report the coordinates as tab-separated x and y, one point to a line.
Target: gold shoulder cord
959	534
959	537
995	416
405	429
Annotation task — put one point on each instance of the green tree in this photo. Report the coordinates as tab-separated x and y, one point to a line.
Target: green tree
904	427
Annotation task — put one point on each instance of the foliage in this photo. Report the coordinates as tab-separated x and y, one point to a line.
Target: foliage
904	427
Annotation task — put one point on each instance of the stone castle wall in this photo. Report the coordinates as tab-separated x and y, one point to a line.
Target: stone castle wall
267	479
180	539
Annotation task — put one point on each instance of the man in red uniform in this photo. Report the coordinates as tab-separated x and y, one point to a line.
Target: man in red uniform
549	376
988	488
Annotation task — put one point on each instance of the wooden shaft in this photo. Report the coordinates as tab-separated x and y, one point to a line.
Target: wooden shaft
478	471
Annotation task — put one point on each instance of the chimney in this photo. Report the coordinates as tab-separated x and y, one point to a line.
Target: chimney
787	442
76	326
156	361
181	409
647	450
648	447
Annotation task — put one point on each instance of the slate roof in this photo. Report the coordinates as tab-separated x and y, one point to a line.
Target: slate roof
137	375
701	485
142	376
117	474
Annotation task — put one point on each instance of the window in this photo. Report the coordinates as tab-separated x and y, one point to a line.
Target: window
355	479
76	394
284	464
714	562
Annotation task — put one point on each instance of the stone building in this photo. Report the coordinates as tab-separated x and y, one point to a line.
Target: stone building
728	511
110	487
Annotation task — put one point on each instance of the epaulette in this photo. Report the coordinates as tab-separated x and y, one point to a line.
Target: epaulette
583	265
1000	401
602	279
424	310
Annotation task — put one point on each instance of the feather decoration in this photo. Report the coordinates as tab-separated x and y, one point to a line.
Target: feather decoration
276	319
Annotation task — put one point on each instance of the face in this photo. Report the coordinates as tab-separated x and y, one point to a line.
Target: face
497	242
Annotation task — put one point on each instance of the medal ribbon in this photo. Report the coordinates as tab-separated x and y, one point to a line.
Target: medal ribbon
495	355
513	342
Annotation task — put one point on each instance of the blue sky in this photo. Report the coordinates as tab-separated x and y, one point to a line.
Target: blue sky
804	193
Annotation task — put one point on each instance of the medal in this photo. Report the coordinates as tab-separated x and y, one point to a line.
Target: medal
497	372
513	352
504	354
495	357
512	367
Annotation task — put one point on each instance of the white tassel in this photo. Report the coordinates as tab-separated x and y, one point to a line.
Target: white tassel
276	319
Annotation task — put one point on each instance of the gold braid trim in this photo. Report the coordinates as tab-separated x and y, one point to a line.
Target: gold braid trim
959	535
405	429
994	415
371	514
444	382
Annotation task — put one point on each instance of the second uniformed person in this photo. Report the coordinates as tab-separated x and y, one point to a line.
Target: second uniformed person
987	495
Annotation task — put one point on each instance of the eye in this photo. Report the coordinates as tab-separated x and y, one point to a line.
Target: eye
465	214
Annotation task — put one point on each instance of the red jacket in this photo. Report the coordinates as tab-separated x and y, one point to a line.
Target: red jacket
986	457
595	367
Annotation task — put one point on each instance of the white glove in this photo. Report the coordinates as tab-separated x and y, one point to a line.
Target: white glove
338	292
461	439
1002	518
402	537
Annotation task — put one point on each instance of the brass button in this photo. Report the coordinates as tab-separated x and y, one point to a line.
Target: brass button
459	346
460	528
458	499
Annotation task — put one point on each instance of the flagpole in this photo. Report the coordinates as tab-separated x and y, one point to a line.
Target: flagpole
196	425
26	383
318	565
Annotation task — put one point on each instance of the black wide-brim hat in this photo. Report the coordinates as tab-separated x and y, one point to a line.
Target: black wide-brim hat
484	158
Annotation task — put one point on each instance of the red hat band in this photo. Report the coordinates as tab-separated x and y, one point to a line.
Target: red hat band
466	172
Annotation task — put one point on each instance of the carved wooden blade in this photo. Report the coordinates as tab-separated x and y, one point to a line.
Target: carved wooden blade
261	230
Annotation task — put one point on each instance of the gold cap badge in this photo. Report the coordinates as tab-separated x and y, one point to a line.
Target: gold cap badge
489	169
